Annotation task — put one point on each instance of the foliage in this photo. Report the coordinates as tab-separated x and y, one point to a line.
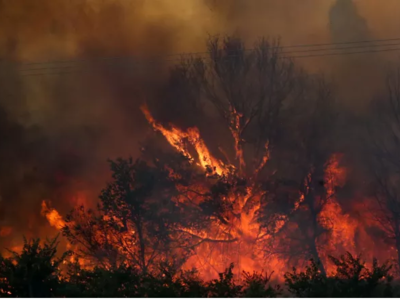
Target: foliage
224	286
351	279
382	141
309	283
34	272
139	220
256	285
126	282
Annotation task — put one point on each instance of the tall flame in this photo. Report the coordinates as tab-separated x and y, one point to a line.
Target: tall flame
52	216
176	138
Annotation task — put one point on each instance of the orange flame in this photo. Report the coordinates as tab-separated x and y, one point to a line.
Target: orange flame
176	138
52	216
341	225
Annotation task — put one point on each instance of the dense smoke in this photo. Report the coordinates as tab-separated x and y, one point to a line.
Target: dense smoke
57	130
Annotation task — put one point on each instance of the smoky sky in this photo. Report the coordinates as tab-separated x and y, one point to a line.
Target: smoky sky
57	130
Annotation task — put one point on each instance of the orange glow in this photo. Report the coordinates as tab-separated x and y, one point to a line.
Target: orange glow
235	236
5	231
211	259
239	229
342	227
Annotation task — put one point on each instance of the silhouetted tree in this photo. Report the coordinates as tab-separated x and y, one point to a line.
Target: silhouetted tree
120	281
249	89
257	285
350	279
282	122
292	206
133	220
35	272
383	143
147	216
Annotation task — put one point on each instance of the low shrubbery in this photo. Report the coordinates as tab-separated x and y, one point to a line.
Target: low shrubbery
37	272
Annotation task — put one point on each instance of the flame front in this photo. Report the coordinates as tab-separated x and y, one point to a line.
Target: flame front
242	224
236	236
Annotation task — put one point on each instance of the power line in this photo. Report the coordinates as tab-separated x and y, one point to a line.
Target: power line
343	43
348	53
340	48
374	43
283	57
129	63
321	53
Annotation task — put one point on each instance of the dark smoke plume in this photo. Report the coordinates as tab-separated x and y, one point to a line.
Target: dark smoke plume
347	25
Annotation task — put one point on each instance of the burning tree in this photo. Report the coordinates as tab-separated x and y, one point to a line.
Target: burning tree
384	145
269	107
301	211
193	208
249	90
143	220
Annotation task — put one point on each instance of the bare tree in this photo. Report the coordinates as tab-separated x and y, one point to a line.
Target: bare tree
248	88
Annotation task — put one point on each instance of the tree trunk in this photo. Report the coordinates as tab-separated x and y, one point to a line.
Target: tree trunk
315	254
313	239
397	238
142	247
398	252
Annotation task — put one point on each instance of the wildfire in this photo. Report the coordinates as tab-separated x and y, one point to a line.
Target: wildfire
239	224
235	236
242	225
